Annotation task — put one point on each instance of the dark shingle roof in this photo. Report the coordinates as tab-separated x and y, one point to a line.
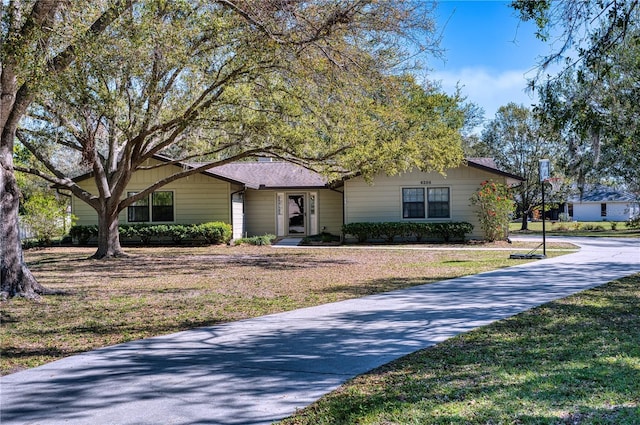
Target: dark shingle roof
485	162
280	174
270	175
488	164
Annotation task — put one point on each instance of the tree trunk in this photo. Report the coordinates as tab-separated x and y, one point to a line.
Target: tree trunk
15	276
525	221
108	235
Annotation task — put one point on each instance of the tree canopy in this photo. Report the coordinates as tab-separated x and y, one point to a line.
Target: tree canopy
517	140
581	31
593	102
596	109
318	83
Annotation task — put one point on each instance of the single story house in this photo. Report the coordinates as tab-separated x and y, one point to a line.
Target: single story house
280	198
601	203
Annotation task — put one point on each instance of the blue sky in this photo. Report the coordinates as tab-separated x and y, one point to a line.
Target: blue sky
489	52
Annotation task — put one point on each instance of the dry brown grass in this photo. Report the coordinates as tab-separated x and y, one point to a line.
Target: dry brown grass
163	290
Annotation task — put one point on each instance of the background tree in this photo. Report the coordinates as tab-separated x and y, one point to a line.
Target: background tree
42	211
582	31
39	39
593	101
596	109
46	216
306	81
516	140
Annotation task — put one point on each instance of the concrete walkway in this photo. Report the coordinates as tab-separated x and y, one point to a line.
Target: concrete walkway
290	242
261	370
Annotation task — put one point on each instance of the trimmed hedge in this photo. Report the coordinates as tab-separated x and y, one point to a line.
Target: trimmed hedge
389	231
256	240
211	233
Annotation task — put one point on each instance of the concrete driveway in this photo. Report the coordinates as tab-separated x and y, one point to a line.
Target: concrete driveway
260	370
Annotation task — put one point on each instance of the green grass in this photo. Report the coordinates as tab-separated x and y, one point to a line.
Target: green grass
167	289
589	229
572	361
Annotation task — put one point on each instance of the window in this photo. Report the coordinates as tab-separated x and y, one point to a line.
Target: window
603	210
159	209
436	204
139	210
162	206
413	203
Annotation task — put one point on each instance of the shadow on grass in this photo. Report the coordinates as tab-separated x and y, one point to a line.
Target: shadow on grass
376	286
573	361
256	371
139	265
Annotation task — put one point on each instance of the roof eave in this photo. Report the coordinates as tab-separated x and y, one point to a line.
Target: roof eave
495	171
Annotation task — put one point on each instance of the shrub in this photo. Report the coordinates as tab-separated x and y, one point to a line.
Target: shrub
177	232
212	233
593	227
146	233
215	232
324	237
257	240
451	231
421	231
389	230
362	231
495	208
83	233
128	231
634	222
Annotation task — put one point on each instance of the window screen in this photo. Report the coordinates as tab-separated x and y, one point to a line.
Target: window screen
438	202
413	203
162	206
138	211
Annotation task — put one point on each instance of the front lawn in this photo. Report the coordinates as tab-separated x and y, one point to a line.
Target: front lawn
163	290
574	361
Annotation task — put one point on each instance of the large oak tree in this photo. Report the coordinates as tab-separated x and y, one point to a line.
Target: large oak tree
39	40
212	82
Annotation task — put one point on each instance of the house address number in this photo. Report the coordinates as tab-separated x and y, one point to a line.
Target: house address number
425	182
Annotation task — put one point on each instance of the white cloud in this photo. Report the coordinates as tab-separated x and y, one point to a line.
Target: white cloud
490	90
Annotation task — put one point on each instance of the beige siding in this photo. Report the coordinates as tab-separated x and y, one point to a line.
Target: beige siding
330	211
197	199
260	212
85	215
382	200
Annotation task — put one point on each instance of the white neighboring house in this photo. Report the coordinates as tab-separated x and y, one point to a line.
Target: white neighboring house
603	204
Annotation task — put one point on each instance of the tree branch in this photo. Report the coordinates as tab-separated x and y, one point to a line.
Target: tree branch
190	171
